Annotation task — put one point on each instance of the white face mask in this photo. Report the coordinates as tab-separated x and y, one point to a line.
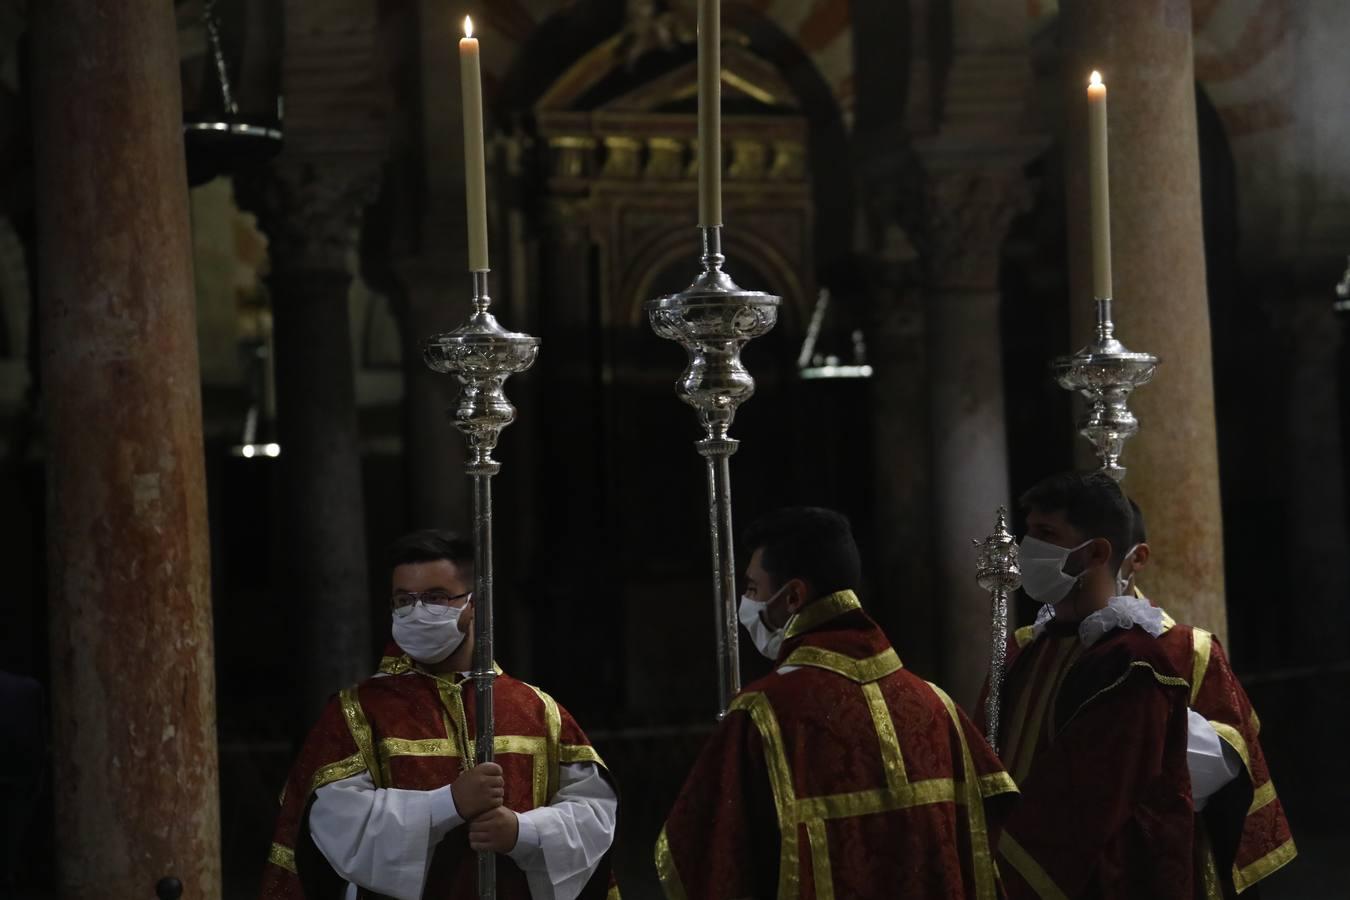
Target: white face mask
428	637
768	641
1043	575
1122	579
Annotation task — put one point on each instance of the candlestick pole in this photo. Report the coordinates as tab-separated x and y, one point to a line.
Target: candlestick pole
713	319
482	355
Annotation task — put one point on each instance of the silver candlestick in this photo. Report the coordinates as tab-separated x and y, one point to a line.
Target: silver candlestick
482	355
997	571
713	319
1105	373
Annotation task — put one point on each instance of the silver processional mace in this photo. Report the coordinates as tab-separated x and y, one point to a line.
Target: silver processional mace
713	319
998	572
482	355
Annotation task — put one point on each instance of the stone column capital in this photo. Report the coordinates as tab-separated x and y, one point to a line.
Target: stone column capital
311	211
969	209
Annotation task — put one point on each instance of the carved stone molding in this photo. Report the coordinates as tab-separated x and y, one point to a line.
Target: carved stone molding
969	211
311	211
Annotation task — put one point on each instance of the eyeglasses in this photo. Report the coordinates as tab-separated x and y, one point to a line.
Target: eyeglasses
438	603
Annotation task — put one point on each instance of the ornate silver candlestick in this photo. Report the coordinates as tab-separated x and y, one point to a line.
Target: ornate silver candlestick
1105	373
998	572
482	355
712	319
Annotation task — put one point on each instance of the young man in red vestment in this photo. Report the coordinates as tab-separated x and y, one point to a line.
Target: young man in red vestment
1242	834
385	800
1094	726
840	774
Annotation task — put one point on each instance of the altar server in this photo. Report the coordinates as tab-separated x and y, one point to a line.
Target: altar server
840	774
385	800
1095	725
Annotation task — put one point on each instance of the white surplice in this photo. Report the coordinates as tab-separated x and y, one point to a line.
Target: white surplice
383	839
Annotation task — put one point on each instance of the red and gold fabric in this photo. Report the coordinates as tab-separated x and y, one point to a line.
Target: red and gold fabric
1246	835
1096	740
847	777
413	730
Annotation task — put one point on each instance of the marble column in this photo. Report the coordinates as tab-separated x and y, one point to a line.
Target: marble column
1143	49
970	208
312	217
133	685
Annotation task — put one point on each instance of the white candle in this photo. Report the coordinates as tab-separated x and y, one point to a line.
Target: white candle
475	174
709	112
1099	187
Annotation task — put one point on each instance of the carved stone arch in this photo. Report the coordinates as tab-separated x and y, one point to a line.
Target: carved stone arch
757	261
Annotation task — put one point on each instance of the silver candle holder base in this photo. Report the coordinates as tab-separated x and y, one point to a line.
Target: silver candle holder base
482	355
998	571
713	319
1105	373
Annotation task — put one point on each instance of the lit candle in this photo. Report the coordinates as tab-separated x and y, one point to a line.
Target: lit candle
1100	192
475	175
709	112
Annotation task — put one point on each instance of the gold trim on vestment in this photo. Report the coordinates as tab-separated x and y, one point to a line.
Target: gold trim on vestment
780	781
1254	722
820	859
1211	888
392	746
1276	859
570	754
666	870
359	726
1234	739
612	893
820	612
282	856
858	670
1169	680
1024	635
900	793
336	771
1027	722
981	860
1262	797
877	800
892	760
996	783
553	733
1029	869
1200	650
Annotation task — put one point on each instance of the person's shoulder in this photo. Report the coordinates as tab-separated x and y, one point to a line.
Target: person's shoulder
1129	651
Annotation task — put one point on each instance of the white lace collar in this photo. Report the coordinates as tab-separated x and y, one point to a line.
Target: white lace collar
1119	612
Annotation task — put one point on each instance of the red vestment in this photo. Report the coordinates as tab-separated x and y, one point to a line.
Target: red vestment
1245	835
409	729
1096	739
848	777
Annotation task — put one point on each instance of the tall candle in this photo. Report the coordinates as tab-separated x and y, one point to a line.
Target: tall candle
475	175
1099	186
709	112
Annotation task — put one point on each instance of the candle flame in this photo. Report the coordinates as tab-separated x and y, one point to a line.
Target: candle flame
468	28
1096	78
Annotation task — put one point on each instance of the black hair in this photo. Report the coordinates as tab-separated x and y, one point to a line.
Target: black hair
810	543
429	545
1092	502
1138	533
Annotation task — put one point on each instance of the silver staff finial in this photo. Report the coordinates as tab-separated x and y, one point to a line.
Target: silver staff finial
997	571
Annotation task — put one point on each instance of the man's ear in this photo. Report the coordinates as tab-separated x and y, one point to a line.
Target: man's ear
799	592
1099	553
1141	556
